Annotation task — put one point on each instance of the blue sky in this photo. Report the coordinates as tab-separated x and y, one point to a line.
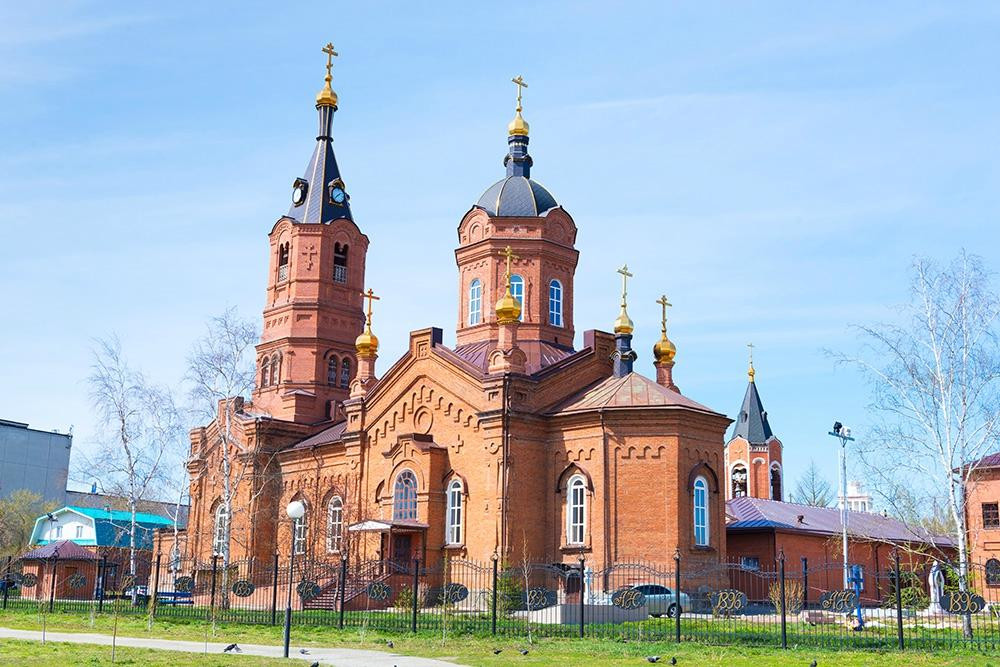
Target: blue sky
772	167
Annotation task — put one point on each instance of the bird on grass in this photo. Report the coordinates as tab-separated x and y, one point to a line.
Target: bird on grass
652	658
497	651
812	664
315	664
673	661
231	648
389	643
524	651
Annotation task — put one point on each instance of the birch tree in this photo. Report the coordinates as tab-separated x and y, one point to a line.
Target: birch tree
138	426
221	372
935	381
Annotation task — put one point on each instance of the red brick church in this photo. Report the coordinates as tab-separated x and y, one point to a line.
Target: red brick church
517	440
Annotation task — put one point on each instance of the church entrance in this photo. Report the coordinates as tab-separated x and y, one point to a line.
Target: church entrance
402	549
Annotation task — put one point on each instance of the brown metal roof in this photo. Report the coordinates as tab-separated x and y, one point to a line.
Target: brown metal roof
324	437
630	391
62	550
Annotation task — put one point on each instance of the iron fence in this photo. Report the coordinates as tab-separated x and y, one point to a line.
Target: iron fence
789	603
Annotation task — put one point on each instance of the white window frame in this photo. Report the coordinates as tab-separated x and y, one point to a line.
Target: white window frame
701	524
300	532
555	303
335	525
517	291
221	530
453	515
59	532
79	532
475	302
576	510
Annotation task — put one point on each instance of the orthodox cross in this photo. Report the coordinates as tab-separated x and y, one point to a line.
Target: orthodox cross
370	295
508	252
750	347
519	80
750	371
310	253
665	304
330	53
625	276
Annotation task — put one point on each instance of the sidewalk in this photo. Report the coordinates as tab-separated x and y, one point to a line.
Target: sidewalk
342	657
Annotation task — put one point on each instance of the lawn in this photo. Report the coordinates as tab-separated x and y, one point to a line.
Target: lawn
53	653
466	650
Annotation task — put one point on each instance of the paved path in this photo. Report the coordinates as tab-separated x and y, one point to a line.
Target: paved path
342	657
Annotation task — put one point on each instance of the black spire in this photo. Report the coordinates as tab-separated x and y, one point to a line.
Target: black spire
751	423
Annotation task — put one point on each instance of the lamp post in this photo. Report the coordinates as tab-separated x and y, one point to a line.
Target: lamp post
843	434
295	511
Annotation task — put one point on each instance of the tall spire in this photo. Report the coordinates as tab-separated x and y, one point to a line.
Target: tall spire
517	161
752	424
320	195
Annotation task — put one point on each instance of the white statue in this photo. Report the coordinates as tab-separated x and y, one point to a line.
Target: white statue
935	585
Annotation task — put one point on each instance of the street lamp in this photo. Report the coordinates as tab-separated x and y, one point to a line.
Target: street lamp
295	511
843	434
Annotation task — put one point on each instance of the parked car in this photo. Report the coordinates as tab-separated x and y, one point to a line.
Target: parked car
7	585
661	600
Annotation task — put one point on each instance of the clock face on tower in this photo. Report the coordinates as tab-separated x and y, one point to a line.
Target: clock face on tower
299	192
337	193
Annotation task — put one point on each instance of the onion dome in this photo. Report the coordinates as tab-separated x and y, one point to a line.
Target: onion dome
624	324
367	343
508	309
664	350
518	126
326	97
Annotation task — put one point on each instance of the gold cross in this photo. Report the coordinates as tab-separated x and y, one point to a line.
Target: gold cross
625	276
750	346
508	252
666	304
519	80
370	295
330	53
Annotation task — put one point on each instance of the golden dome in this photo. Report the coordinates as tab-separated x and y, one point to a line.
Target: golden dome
326	97
508	309
367	343
518	126
664	350
751	372
624	324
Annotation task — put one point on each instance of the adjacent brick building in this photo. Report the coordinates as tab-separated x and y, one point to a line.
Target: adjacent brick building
982	519
514	442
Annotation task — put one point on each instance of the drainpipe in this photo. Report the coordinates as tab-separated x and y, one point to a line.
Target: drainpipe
505	439
607	499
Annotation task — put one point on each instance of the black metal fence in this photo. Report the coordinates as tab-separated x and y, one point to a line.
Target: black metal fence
792	603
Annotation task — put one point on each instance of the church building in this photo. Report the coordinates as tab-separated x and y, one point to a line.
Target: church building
519	441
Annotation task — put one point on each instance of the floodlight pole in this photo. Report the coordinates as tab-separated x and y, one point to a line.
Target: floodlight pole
842	435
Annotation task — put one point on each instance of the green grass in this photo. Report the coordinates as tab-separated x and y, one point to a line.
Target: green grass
31	653
470	650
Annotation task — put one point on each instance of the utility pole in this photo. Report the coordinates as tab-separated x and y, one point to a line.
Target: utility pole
843	434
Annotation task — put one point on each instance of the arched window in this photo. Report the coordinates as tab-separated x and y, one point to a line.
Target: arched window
265	372
300	529
340	263
993	572
739	481
475	302
404	496
220	536
283	261
701	512
345	373
334	524
775	482
275	369
555	304
576	509
453	529
517	291
331	371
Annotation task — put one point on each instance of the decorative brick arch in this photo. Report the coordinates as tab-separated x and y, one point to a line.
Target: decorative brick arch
568	472
704	470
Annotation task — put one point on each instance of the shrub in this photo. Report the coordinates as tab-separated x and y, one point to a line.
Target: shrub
793	595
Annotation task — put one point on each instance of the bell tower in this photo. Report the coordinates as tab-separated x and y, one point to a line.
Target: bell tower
316	274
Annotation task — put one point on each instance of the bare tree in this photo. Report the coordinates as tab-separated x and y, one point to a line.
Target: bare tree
221	373
812	488
139	425
935	378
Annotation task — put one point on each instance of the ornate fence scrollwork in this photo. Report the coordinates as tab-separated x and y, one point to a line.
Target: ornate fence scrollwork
628	598
308	590
840	601
243	588
184	584
962	602
454	593
28	580
379	591
539	598
77	580
728	601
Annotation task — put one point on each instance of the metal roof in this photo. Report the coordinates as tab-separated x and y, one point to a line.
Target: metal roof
629	391
751	422
63	550
516	197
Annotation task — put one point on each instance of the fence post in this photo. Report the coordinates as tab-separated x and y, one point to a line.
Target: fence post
899	600
6	580
156	588
343	587
677	595
104	583
52	588
583	589
416	585
274	592
805	583
496	593
215	560
784	604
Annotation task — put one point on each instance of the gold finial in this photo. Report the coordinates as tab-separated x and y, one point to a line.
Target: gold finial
326	97
518	126
750	371
367	343
623	324
664	350
508	308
